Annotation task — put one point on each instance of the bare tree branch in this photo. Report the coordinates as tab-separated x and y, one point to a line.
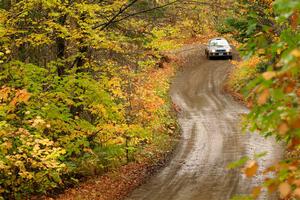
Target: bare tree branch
122	10
115	20
145	11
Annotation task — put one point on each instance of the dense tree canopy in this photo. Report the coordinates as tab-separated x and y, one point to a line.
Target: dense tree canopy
78	85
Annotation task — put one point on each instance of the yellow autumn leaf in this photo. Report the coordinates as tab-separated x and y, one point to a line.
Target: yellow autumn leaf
296	53
279	51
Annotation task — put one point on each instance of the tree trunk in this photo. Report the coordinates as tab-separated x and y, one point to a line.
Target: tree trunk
61	47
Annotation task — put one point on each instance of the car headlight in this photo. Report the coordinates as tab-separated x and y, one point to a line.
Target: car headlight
213	51
228	50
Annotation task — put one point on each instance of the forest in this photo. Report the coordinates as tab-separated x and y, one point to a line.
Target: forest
268	80
84	85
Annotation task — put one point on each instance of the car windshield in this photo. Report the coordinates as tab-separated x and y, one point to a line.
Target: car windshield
219	43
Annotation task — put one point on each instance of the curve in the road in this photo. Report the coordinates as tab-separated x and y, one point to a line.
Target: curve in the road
211	138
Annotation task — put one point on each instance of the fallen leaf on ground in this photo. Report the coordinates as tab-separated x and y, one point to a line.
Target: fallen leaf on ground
296	193
284	190
256	192
251	168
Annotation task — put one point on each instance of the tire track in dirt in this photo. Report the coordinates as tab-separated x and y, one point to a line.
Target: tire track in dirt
211	138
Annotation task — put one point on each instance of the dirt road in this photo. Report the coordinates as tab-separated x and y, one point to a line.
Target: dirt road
211	138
